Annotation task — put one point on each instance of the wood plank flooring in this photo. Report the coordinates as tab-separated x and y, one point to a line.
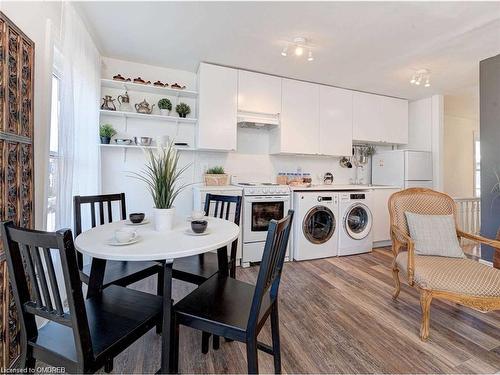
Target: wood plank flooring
337	316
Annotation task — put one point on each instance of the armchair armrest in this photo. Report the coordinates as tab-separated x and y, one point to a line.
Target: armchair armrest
480	239
397	235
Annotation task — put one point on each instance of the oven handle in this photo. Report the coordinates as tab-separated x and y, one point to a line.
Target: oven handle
281	198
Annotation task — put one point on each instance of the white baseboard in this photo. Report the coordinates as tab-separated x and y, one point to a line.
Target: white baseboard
487	262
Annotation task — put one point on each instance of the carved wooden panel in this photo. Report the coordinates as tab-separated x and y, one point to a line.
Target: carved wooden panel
12	61
16	162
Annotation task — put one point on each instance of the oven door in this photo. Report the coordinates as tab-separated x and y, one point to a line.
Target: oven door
258	211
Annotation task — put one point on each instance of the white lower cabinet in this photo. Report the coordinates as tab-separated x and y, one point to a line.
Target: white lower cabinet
380	213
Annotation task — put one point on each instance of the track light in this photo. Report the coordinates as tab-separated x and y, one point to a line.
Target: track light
421	75
310	56
299	46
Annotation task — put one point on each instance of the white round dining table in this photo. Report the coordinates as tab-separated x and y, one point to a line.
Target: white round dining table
163	246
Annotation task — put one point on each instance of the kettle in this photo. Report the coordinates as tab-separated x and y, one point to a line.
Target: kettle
328	178
124	101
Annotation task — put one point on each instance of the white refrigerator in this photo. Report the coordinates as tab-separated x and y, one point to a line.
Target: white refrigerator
403	168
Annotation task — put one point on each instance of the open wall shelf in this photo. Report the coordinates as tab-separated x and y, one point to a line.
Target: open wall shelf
130	86
187	120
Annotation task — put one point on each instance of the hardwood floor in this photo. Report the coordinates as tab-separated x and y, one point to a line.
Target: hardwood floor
337	316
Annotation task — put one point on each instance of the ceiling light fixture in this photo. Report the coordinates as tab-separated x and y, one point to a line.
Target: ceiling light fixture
299	45
310	56
420	76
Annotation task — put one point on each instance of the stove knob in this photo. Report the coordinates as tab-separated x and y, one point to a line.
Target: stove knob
265	190
251	191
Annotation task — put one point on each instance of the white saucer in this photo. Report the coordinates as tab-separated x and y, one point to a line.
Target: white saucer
113	242
189	232
128	222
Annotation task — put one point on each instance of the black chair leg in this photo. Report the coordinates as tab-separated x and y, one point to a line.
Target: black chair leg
159	292
205	336
275	331
174	347
28	361
216	342
108	366
252	359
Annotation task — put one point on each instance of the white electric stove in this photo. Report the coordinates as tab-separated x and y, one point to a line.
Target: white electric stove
262	202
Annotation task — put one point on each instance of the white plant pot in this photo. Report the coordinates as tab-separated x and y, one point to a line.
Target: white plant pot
164	112
164	219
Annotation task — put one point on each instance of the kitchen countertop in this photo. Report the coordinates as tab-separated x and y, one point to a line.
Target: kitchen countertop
202	187
334	187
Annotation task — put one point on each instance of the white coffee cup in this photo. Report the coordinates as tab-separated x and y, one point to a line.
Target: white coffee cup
125	235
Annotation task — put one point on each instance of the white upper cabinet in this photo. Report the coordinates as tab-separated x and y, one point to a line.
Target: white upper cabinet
259	93
217	107
379	118
335	121
299	128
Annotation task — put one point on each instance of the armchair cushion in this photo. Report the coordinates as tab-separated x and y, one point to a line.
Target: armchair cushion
456	275
434	235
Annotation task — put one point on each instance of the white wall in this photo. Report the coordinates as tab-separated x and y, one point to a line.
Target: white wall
461	121
40	21
251	162
425	132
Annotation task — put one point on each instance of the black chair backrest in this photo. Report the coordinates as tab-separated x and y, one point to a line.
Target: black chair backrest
100	200
29	256
223	210
271	265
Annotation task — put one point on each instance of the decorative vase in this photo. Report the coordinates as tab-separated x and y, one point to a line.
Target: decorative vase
105	140
163	218
182	115
164	112
216	179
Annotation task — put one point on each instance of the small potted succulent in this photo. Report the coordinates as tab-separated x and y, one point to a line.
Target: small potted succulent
106	131
165	106
183	110
216	176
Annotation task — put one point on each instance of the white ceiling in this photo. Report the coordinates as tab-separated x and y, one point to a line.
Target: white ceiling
369	46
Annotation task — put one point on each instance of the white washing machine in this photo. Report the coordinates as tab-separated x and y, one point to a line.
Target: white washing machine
316	225
355	235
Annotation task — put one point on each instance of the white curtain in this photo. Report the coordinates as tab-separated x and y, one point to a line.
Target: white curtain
78	172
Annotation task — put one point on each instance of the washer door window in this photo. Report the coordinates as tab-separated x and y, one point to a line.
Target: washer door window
319	224
358	221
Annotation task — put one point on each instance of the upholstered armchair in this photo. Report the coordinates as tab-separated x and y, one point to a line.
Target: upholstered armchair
461	280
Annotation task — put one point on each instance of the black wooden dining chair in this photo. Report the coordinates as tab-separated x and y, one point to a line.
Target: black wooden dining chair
116	272
199	268
237	310
89	333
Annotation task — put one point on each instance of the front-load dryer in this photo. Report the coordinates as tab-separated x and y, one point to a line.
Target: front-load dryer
316	226
355	235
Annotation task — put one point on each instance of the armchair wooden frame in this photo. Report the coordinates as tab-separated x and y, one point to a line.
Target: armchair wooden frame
401	240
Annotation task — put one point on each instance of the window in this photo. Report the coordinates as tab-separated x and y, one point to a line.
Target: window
53	153
477	166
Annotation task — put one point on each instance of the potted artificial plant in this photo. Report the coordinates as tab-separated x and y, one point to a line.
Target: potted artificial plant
165	106
183	110
216	176
106	131
161	175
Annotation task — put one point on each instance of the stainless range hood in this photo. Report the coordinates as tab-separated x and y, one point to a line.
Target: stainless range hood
257	119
